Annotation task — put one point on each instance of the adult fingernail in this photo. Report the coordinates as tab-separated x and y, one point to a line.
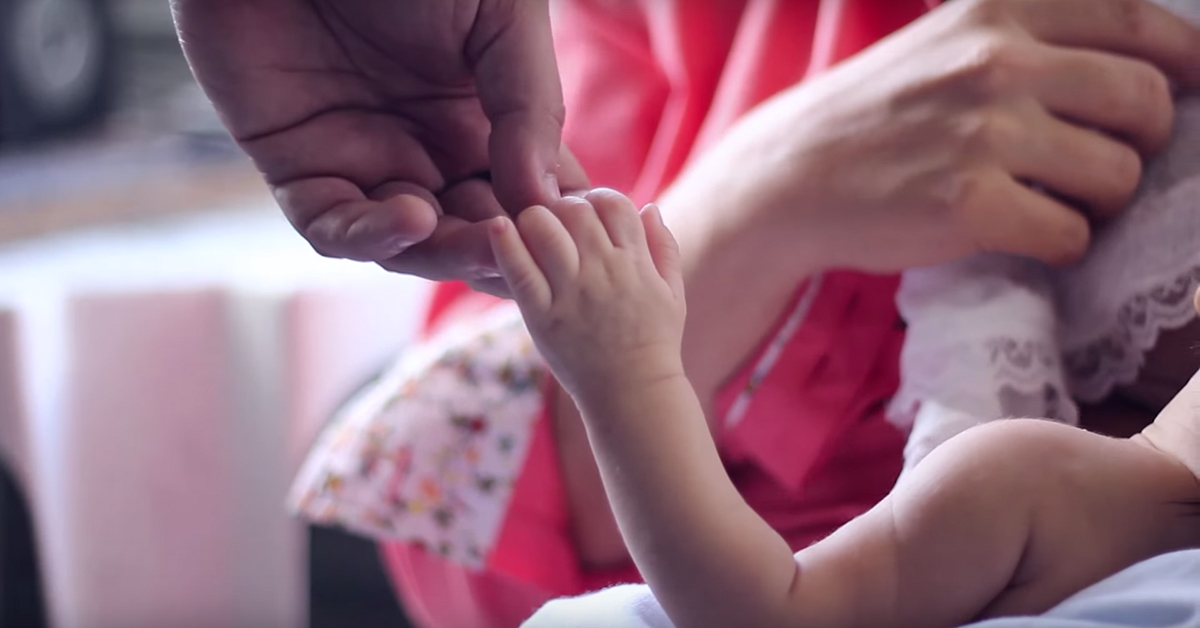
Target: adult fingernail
550	187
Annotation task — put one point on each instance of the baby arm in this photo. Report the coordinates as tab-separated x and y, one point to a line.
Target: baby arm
600	289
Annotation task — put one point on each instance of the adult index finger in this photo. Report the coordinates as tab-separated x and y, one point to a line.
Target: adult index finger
1137	28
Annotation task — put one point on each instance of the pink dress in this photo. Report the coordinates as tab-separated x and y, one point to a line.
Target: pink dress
648	84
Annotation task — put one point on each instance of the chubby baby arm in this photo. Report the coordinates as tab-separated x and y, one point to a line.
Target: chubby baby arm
1013	517
601	292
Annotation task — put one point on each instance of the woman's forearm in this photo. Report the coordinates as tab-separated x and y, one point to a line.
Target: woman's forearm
741	265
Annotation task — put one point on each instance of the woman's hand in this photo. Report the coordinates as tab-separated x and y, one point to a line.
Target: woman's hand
988	125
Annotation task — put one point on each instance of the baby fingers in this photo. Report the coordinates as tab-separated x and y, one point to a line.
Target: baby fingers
526	282
540	242
620	219
664	250
581	222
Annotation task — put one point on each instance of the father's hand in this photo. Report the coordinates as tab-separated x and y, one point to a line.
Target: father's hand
371	120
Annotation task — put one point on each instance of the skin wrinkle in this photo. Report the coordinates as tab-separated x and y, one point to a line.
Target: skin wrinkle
556	112
324	12
441	158
466	83
362	185
475	53
1149	442
359	72
320	113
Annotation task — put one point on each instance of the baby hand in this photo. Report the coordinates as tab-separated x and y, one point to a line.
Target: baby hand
600	288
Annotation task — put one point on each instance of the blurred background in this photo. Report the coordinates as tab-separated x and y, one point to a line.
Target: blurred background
168	347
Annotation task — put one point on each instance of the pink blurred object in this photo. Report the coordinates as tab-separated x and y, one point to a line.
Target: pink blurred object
158	387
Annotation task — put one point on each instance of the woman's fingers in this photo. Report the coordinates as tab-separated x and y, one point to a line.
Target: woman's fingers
1121	95
1079	164
1136	28
1002	215
524	278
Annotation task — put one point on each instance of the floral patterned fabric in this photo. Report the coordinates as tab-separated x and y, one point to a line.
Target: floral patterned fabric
430	452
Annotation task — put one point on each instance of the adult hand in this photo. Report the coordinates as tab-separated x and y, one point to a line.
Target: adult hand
987	125
371	120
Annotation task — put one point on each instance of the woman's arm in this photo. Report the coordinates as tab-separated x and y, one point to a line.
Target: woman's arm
918	151
912	153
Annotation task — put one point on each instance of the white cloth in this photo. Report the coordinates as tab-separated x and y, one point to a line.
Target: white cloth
625	606
995	336
1162	592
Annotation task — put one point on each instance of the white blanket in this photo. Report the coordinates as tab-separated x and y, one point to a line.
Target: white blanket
1163	592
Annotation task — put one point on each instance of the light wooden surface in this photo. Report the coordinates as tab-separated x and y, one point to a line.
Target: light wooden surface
157	194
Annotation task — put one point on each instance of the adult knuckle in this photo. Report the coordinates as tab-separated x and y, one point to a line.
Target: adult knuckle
321	244
1132	17
1064	241
988	11
524	284
1151	90
1151	83
990	66
960	197
1071	240
1125	170
984	131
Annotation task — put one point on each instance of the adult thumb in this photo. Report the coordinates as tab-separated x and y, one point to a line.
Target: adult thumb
517	77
